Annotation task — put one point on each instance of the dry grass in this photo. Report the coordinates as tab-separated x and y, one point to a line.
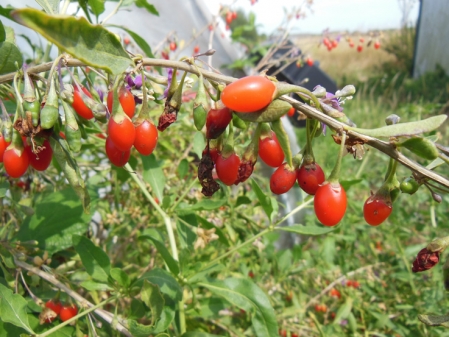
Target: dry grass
344	64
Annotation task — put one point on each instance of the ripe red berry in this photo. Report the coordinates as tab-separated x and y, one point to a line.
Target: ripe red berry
330	203
217	121
117	157
376	210
42	160
376	45
361	40
248	94
359	48
309	62
334	43
54	305
291	112
351	44
78	104
67	312
123	134
310	177
165	55
126	99
283	179
3	145
173	46
146	138
229	17
227	168
126	40
282	333
15	164
213	153
270	151
334	293
251	274
196	50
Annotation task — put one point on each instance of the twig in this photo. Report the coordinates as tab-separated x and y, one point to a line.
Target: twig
107	316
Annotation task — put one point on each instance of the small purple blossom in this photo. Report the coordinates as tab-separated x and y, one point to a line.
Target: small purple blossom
333	101
170	76
100	93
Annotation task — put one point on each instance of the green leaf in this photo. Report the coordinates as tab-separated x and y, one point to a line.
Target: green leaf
91	44
198	143
264	200
6	11
140	330
95	286
186	236
9	55
139	40
2	32
150	8
248	296
344	310
202	205
306	230
348	183
50	6
4	187
422	147
201	276
71	170
7	257
153	175
404	129
94	259
121	277
433	320
169	260
165	281
57	217
198	334
13	309
183	168
97	6
153	299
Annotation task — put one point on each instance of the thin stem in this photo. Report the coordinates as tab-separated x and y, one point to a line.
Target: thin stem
105	315
74	318
362	167
236	248
294	211
336	171
112	13
167	221
183	195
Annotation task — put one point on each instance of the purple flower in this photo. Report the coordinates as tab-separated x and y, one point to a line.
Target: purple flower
332	101
170	76
100	93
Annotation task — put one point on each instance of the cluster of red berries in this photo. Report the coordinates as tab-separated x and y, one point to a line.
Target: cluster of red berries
333	43
65	312
230	16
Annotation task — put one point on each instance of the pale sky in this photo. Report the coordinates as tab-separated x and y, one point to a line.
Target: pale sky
337	15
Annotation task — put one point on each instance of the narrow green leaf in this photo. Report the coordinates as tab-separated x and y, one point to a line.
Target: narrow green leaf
404	129
201	276
13	309
186	236
153	175
198	334
150	8
169	260
139	40
4	187
306	230
248	296
71	171
348	183
433	320
95	286
183	168
344	310
121	277
58	216
92	44
9	56
7	257
202	205
97	6
198	143
140	330
153	299
165	281
94	259
264	200
422	147
6	11
2	32
50	6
